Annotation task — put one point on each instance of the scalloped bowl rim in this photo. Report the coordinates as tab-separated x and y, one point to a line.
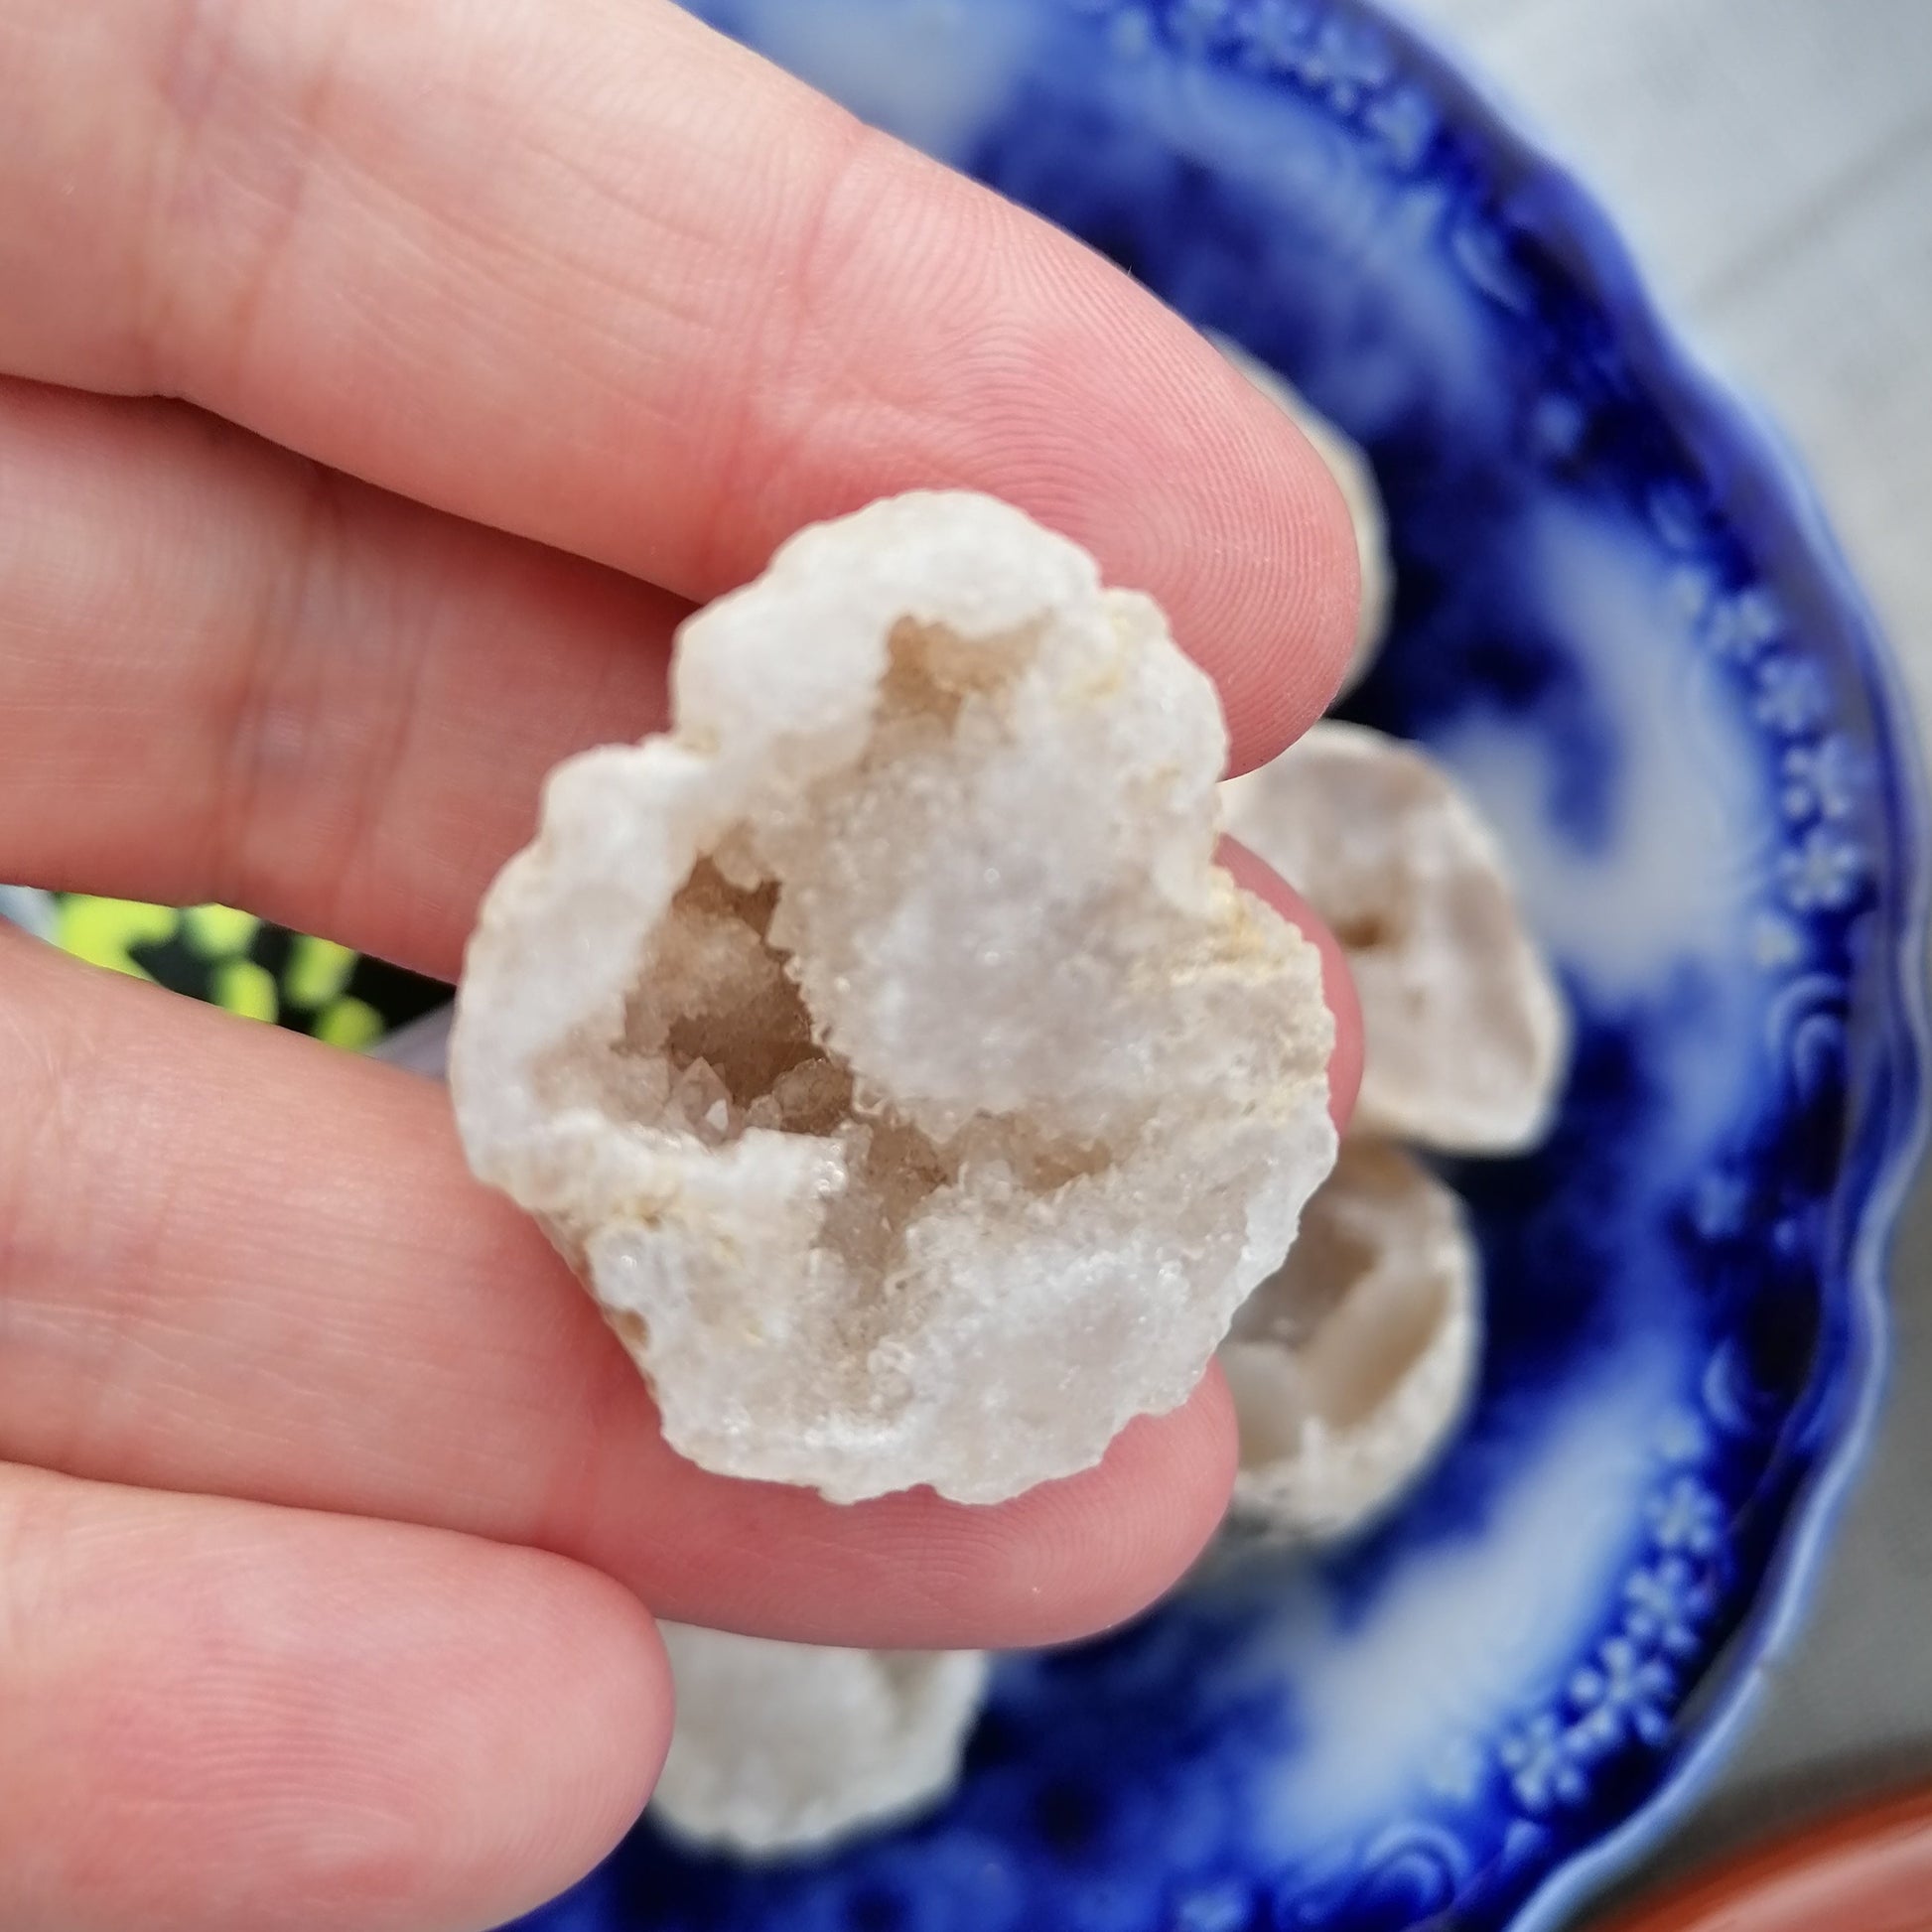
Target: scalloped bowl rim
1605	266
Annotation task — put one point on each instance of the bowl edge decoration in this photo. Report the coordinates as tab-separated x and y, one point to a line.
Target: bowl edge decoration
1886	1133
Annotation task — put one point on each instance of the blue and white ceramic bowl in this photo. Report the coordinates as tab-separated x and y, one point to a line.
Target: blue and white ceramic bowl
1622	622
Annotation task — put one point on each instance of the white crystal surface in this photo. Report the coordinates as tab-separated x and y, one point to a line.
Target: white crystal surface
884	1047
782	1748
1464	1029
1350	1365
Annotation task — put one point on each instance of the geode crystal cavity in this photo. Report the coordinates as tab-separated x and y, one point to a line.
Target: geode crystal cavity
884	1047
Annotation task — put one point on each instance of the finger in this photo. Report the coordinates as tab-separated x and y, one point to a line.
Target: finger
226	675
235	1262
1338	983
218	1716
631	291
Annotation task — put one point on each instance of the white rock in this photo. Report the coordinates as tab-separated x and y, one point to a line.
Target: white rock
1355	474
1021	1095
1351	1365
1465	1031
781	1747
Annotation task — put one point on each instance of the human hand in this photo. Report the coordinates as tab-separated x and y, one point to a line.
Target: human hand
381	383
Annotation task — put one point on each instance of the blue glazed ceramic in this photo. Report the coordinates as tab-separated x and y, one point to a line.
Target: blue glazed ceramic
1622	622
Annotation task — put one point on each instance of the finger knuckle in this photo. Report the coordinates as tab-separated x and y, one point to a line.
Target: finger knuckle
242	105
37	1533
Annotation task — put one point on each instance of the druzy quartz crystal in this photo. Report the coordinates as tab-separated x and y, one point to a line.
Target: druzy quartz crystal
883	1045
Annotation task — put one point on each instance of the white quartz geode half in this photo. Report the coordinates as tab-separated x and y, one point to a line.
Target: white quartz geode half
784	1748
884	1047
1464	1029
1351	1365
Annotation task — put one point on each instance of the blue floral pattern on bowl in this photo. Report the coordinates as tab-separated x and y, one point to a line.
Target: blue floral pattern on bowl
1622	620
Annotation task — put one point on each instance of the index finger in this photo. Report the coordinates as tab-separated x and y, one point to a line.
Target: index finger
592	273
